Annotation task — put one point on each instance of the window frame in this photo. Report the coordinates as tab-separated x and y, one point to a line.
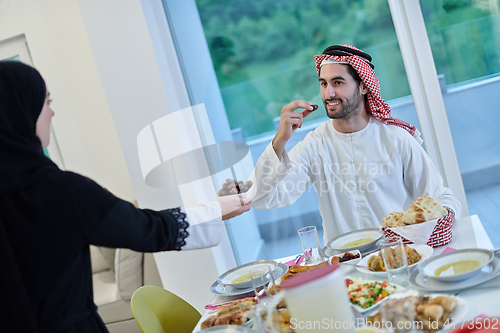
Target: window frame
426	92
180	40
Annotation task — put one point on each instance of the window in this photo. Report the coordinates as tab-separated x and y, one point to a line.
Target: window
262	53
464	37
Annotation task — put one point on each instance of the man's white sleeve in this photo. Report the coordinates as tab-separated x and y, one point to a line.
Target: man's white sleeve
205	226
421	177
277	183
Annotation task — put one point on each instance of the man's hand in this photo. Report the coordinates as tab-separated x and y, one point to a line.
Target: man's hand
234	206
232	186
289	122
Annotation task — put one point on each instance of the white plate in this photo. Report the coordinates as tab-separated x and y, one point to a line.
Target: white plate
424	250
341	240
488	272
429	268
360	309
228	277
225	290
458	313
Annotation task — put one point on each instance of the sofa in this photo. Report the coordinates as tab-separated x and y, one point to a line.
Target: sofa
116	275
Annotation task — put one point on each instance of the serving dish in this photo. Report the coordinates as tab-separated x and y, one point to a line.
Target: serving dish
351	264
243	271
358	281
338	242
479	258
228	290
487	273
458	313
425	252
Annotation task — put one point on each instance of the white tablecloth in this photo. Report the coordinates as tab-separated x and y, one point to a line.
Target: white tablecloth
468	232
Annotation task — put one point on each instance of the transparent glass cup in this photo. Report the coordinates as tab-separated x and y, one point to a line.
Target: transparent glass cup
264	288
262	281
310	245
395	261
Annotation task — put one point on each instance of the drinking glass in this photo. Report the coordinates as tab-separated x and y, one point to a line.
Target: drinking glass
264	287
262	281
310	245
395	262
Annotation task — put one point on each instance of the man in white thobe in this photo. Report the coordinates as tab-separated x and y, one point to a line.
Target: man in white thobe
363	162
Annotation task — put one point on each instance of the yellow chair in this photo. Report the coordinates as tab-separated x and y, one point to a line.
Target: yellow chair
157	310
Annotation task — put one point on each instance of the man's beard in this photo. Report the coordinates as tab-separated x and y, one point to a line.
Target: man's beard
349	106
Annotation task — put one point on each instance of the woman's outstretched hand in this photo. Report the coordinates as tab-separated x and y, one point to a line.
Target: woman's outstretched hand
234	206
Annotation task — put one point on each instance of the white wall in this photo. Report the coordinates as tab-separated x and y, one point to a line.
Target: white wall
83	125
100	67
136	95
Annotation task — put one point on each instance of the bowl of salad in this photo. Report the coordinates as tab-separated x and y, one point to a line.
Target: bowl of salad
367	294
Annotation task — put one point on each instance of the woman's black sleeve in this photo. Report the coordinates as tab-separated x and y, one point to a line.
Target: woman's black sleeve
105	220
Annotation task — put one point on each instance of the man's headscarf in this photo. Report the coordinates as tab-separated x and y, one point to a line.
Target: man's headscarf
22	95
361	62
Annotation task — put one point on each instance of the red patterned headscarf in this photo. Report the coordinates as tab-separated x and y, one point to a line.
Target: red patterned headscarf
360	61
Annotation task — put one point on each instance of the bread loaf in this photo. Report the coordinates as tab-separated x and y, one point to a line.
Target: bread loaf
394	219
422	210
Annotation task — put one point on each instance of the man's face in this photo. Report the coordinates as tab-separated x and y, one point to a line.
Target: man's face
342	97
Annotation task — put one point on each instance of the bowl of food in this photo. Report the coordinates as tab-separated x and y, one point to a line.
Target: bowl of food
456	265
362	240
349	258
373	263
239	277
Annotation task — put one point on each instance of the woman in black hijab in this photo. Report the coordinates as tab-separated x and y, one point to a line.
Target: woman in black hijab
48	218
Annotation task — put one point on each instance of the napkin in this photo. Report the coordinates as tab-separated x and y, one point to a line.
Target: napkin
448	249
216	306
417	233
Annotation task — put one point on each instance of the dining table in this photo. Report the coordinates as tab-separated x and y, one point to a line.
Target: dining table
483	300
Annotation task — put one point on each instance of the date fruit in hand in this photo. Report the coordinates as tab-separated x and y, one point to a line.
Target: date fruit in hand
232	186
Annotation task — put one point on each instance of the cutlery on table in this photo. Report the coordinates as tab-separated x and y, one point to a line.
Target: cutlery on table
368	268
215	306
297	258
